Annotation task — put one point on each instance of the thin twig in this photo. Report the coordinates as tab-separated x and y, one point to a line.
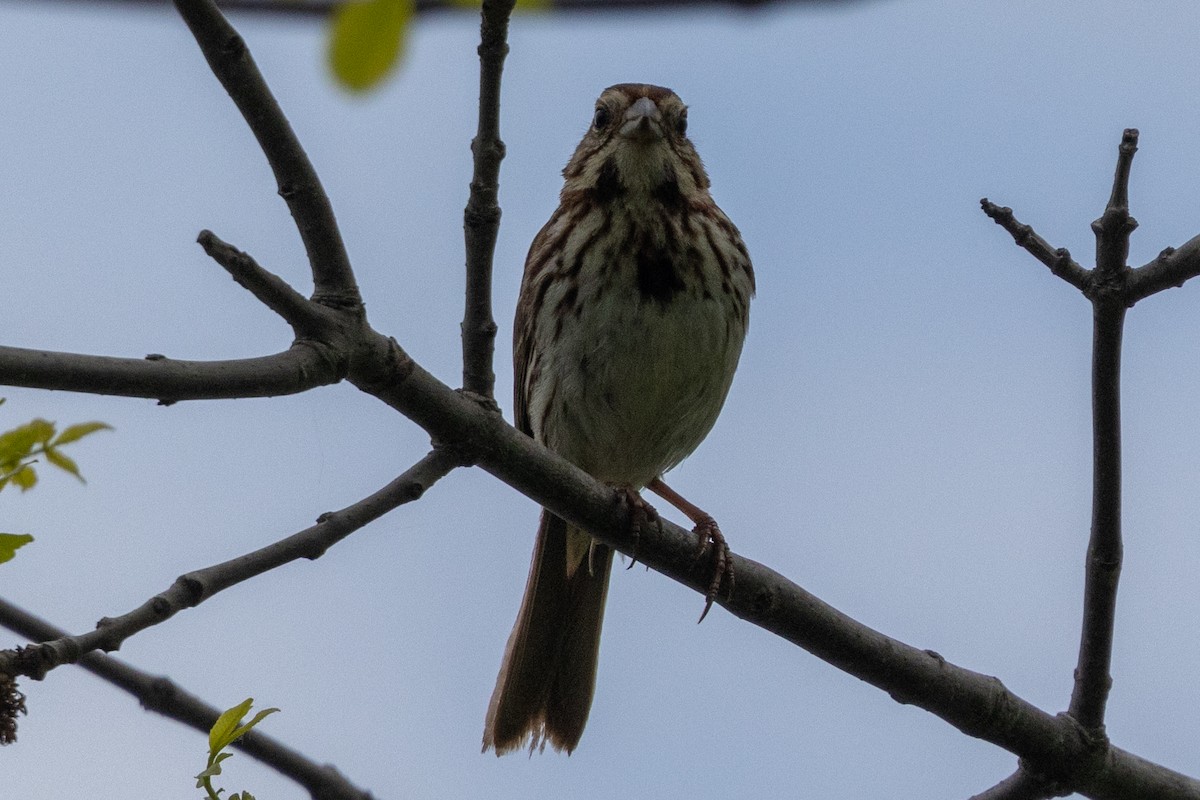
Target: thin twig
1103	568
1171	269
231	63
163	696
304	366
1114	226
305	316
481	219
1058	260
193	588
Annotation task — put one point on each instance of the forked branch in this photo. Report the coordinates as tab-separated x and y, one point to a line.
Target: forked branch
299	186
195	587
1112	287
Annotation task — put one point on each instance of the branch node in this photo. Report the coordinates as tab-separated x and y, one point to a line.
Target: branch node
192	589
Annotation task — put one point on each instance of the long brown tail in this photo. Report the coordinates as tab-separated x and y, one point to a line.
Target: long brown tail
544	690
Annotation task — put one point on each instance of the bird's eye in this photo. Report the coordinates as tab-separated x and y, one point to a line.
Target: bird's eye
681	123
603	115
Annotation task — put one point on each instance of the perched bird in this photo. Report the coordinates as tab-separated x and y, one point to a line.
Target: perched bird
629	326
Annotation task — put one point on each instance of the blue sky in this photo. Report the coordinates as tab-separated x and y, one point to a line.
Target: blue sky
908	436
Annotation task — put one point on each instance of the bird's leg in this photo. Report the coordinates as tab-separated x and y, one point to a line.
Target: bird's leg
707	534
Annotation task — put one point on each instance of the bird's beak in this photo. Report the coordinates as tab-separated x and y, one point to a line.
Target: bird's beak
643	121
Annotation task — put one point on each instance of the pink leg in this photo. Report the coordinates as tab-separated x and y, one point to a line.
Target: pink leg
707	533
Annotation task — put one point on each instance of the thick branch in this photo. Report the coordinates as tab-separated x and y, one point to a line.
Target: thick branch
481	219
976	704
302	367
333	279
195	587
163	696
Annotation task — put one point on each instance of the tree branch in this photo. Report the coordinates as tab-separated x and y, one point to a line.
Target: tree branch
304	366
193	588
299	186
976	704
1103	570
306	317
1171	269
1059	261
163	696
1072	755
1114	226
481	218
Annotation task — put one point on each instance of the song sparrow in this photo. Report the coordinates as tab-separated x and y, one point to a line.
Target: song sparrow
630	322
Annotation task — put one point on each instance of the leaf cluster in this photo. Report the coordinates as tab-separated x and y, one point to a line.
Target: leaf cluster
225	731
20	449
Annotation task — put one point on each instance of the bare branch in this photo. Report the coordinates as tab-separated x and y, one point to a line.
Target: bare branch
1171	269
1059	261
976	704
303	315
481	219
1115	225
333	279
163	696
195	587
302	367
1103	567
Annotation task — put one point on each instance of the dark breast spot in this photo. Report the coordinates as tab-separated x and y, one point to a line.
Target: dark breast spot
658	275
669	194
608	183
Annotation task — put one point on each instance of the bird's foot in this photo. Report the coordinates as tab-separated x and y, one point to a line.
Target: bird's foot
710	542
641	516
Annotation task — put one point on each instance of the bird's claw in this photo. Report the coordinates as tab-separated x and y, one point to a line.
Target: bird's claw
641	514
710	541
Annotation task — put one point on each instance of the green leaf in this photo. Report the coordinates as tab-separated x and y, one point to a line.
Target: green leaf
19	442
75	432
367	39
10	542
243	730
25	478
212	770
56	458
224	729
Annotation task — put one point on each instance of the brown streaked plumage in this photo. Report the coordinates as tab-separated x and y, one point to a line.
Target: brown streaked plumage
633	308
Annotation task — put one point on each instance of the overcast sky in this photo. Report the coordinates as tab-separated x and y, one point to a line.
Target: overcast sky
908	436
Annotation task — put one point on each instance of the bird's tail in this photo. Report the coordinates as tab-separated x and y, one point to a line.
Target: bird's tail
544	691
